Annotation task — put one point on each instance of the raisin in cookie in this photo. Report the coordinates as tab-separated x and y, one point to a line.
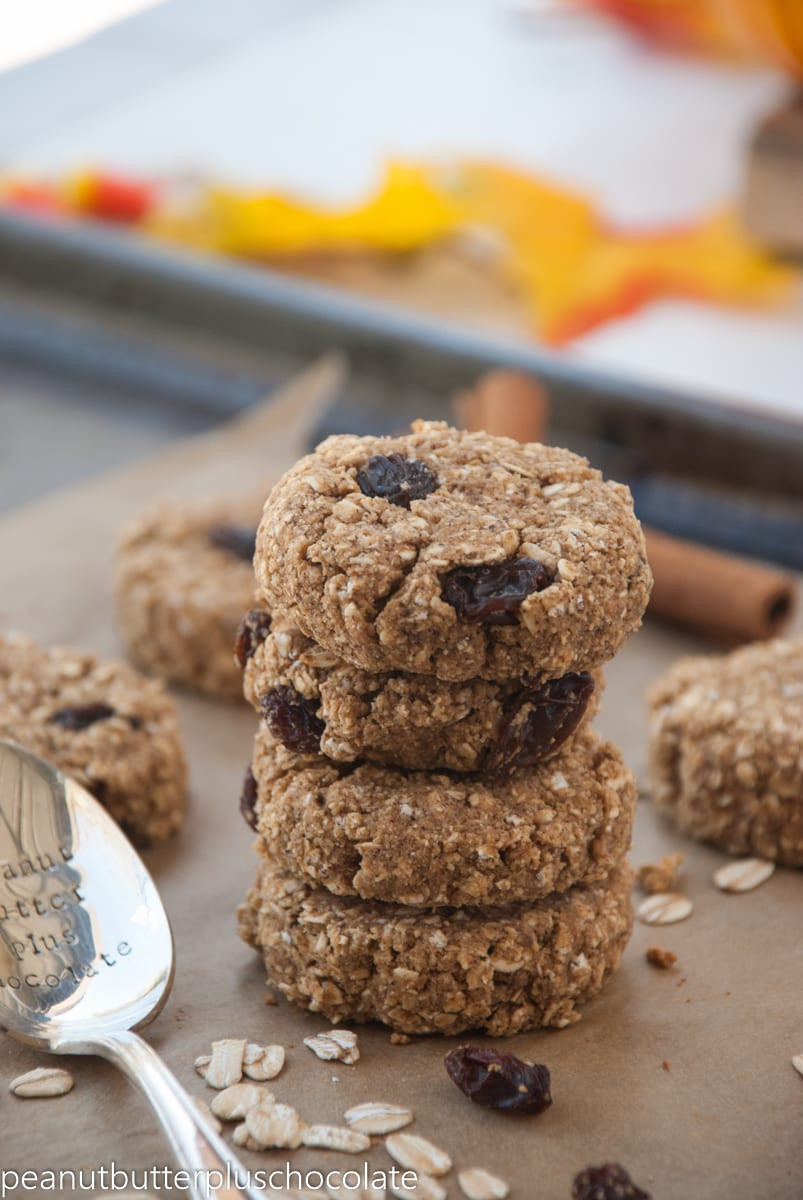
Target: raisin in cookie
454	554
726	749
184	578
444	970
425	838
312	700
103	724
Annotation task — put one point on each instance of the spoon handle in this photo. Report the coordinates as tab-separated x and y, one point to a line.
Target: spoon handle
214	1172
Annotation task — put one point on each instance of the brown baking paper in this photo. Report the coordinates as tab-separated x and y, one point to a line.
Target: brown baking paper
684	1076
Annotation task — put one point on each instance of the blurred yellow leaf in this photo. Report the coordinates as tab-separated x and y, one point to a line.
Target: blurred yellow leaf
406	213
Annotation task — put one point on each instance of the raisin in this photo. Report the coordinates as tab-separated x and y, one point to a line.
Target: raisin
81	716
239	540
397	479
498	1080
293	720
608	1182
536	721
254	628
493	594
248	799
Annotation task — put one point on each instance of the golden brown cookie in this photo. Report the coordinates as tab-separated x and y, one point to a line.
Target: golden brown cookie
426	838
103	724
439	971
312	700
726	749
184	578
454	554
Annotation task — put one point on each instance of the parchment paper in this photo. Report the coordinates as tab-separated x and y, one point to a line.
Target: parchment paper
684	1076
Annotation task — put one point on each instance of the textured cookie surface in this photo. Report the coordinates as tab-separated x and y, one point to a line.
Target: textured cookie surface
502	970
726	749
184	578
434	839
414	721
103	724
493	559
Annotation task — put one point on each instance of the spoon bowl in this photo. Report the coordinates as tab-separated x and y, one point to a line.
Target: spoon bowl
86	950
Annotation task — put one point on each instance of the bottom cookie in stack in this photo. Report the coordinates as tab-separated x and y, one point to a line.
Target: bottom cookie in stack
502	969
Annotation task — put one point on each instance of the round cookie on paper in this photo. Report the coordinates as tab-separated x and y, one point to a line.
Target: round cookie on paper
726	749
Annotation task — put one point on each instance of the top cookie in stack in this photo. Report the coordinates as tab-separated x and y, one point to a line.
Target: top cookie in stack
440	603
454	554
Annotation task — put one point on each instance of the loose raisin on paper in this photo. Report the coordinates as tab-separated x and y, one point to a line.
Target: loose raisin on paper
248	799
254	628
81	716
497	1080
293	720
239	540
397	479
608	1182
551	713
493	593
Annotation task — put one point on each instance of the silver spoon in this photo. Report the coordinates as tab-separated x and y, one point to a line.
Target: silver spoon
86	952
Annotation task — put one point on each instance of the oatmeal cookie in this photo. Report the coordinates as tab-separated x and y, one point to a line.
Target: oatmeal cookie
438	839
103	724
454	554
413	721
444	970
183	580
726	749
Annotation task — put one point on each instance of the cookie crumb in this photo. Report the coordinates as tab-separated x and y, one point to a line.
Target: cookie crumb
658	957
660	876
666	1064
270	998
400	1039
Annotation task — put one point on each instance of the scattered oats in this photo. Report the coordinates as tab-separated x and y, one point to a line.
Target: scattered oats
275	1126
208	1115
426	1189
377	1117
400	1039
42	1083
333	1137
664	908
241	1137
660	876
234	1102
202	1064
743	875
338	1044
660	957
416	1153
797	1063
226	1065
478	1184
270	999
262	1062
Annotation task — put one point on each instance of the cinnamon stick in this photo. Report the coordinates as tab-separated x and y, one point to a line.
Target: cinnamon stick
722	596
505	404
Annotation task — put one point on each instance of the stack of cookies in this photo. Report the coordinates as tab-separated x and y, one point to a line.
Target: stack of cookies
441	836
